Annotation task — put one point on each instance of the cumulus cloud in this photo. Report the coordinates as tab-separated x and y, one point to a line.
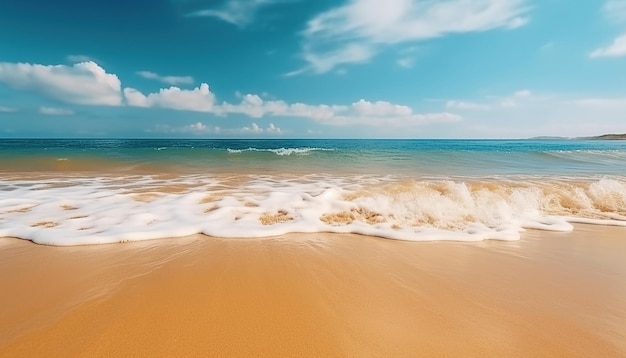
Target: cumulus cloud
615	49
83	83
253	106
254	128
273	129
200	128
87	83
380	109
240	13
362	112
199	99
170	80
359	30
51	111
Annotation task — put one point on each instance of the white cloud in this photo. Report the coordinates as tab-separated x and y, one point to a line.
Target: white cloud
252	129
170	80
237	12
357	31
466	105
273	129
83	83
51	111
615	10
362	112
615	49
253	106
380	109
197	128
200	128
256	129
4	109
199	99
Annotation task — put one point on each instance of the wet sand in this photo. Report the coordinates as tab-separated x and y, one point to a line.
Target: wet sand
550	294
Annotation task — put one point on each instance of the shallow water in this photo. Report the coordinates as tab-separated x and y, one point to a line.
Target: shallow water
71	192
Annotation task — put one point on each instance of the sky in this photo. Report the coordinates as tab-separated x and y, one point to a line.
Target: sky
312	68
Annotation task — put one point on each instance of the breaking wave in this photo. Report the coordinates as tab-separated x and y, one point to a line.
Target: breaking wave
280	151
82	210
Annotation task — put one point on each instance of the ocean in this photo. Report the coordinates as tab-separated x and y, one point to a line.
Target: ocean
95	191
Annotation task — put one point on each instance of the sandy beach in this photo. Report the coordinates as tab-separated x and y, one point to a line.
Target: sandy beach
550	294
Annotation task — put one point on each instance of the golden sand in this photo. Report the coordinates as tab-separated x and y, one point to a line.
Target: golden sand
550	294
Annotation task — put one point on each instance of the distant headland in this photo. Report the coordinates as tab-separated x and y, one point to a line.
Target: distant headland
599	137
609	137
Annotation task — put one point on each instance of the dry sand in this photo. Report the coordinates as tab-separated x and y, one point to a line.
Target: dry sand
550	294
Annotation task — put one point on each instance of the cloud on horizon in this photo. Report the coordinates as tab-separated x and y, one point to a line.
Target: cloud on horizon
200	128
362	112
87	83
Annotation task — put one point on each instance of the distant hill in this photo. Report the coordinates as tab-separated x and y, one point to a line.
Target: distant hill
599	137
609	137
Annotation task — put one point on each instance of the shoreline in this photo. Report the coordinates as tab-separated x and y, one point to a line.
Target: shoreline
556	294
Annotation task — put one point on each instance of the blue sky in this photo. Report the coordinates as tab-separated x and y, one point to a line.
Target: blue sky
302	68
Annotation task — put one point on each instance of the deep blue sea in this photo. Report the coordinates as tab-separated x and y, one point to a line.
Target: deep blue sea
93	191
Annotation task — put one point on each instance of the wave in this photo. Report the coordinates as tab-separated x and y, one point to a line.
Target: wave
79	211
587	154
280	151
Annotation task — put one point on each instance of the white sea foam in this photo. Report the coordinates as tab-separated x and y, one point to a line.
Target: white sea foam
280	151
79	211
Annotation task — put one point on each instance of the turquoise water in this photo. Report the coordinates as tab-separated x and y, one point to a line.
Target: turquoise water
76	192
412	157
